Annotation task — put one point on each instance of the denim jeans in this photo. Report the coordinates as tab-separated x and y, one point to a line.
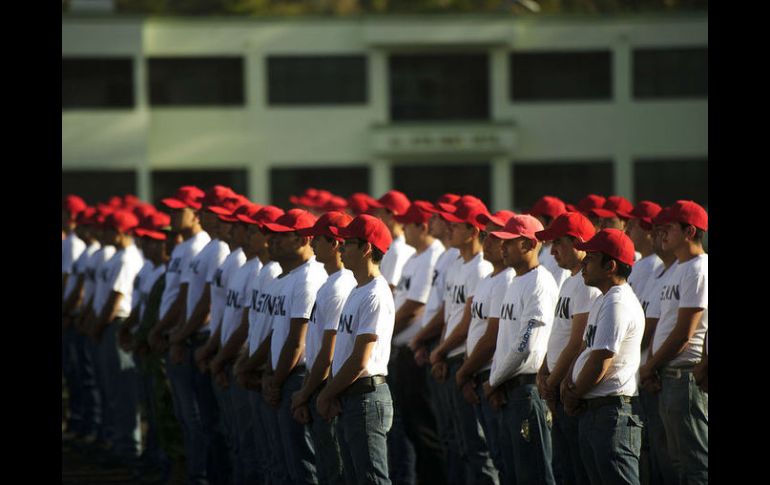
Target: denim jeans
224	404
525	437
567	464
295	437
473	446
660	470
91	400
610	442
363	427
248	466
71	369
684	411
153	455
487	417
268	439
328	457
402	456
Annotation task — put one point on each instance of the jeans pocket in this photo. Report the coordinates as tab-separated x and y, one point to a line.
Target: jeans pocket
634	427
385	414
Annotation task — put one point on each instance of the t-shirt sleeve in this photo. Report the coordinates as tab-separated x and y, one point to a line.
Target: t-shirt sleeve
123	282
303	297
185	265
693	288
332	310
496	296
653	300
478	274
374	315
419	289
584	298
610	327
538	306
217	258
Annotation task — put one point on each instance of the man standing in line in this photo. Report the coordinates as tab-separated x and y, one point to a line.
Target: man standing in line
545	210
639	229
602	380
386	208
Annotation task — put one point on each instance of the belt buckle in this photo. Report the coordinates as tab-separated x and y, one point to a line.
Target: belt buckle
674	373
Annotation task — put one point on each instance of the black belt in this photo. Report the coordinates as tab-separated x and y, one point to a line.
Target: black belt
482	377
676	373
364	385
519	380
457	359
608	400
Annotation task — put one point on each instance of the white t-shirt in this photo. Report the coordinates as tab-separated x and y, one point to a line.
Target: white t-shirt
462	278
326	311
71	248
181	256
526	319
369	309
415	285
574	298
143	273
486	303
651	299
615	323
146	287
102	279
642	272
546	259
120	272
438	284
296	297
93	272
79	268
219	282
201	271
393	261
237	297
687	289
261	302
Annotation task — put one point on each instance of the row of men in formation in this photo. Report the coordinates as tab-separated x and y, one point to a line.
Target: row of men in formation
387	340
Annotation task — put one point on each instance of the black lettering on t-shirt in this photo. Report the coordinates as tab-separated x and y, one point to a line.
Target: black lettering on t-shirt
590	335
346	324
458	294
562	308
477	310
506	312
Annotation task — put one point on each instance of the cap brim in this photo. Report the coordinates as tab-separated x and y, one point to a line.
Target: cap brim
602	213
505	235
307	232
141	232
450	217
277	227
548	235
173	203
246	219
585	246
623	214
221	211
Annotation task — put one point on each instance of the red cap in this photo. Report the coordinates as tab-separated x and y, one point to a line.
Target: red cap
360	202
248	209
688	212
448	198
268	213
468	213
568	224
122	220
418	213
291	221
329	219
130	201
115	202
520	225
73	204
102	211
153	225
663	217
335	203
86	217
549	206
499	218
186	196
393	200
612	242
591	201
312	197
571	208
216	196
142	210
645	211
614	206
367	228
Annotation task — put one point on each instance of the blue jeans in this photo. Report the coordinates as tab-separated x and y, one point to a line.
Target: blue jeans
488	420
268	439
328	457
610	439
91	400
455	469
684	411
362	432
224	404
402	456
71	369
525	437
473	446
295	437
153	455
660	471
567	463
248	465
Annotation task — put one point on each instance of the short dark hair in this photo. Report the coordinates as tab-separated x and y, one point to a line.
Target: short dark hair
547	220
699	233
624	270
377	255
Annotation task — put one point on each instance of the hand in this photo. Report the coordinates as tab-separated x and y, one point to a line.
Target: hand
215	365
301	414
421	356
177	352
469	393
647	372
652	385
542	377
439	371
461	377
328	407
497	399
270	391
158	343
415	344
201	356
436	356
701	375
221	379
573	405
298	399
550	389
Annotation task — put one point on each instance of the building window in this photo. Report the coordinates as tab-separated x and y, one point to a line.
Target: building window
303	80
665	180
93	83
196	81
569	181
671	73
98	185
165	182
342	181
561	75
430	181
439	87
